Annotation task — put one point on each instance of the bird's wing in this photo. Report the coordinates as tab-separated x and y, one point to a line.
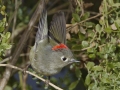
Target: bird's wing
57	29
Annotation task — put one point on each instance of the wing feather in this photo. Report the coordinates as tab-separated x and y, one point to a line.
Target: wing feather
57	29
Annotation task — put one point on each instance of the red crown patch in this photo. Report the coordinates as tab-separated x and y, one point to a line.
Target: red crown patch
60	46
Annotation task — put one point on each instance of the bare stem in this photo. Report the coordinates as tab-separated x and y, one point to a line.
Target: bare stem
28	72
21	44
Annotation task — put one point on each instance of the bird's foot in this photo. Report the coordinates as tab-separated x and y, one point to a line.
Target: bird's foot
25	69
47	81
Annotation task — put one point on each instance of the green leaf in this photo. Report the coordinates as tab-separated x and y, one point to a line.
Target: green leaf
6	46
89	24
77	9
76	47
98	28
2	12
91	50
97	68
3	8
81	36
111	2
85	44
0	59
92	56
76	17
108	30
78	73
4	19
7	35
87	80
91	86
9	47
2	29
117	64
117	23
73	85
86	15
8	88
116	5
90	65
90	33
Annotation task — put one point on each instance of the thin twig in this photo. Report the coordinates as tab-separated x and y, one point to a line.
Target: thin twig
57	8
11	18
10	57
93	37
80	3
73	25
21	44
17	31
90	47
71	6
52	4
15	16
28	72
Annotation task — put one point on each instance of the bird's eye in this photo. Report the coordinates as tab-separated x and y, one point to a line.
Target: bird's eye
63	58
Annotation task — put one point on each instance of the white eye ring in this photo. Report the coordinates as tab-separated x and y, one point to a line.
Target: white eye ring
64	59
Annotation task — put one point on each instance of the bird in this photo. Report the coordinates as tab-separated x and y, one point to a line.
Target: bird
50	53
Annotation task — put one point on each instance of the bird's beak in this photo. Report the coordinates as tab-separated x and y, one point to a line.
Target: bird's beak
73	60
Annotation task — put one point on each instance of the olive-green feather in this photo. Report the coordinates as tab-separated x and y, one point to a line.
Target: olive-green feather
57	29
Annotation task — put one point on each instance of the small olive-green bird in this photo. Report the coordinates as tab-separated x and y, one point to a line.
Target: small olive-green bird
50	53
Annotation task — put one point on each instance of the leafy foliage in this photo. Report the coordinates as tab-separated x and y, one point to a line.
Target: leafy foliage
100	43
4	36
93	36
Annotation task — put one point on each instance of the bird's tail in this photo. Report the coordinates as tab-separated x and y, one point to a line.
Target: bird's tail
42	26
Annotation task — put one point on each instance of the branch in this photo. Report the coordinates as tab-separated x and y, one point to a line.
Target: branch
28	72
10	57
21	44
15	16
57	8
